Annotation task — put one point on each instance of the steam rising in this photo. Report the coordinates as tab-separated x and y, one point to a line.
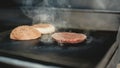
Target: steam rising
46	11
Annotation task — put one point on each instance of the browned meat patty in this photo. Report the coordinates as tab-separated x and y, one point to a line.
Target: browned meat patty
69	37
24	33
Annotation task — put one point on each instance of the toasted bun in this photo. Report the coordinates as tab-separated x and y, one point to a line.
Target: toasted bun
69	37
24	33
44	28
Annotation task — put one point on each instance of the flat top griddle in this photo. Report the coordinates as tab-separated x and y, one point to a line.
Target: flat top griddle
83	55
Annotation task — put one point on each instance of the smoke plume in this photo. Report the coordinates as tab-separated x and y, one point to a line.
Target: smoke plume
46	11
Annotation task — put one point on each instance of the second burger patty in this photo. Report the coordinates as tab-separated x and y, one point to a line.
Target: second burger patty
69	37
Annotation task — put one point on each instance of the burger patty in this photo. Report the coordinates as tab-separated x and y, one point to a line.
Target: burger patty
69	37
44	28
24	33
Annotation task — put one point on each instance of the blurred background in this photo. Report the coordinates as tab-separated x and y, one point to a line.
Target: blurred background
11	14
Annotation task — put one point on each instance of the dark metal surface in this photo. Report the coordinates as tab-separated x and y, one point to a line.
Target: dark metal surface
83	55
3	65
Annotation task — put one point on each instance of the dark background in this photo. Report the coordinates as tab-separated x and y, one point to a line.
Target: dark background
11	15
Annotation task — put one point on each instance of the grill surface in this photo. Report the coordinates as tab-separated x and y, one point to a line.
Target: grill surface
83	55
